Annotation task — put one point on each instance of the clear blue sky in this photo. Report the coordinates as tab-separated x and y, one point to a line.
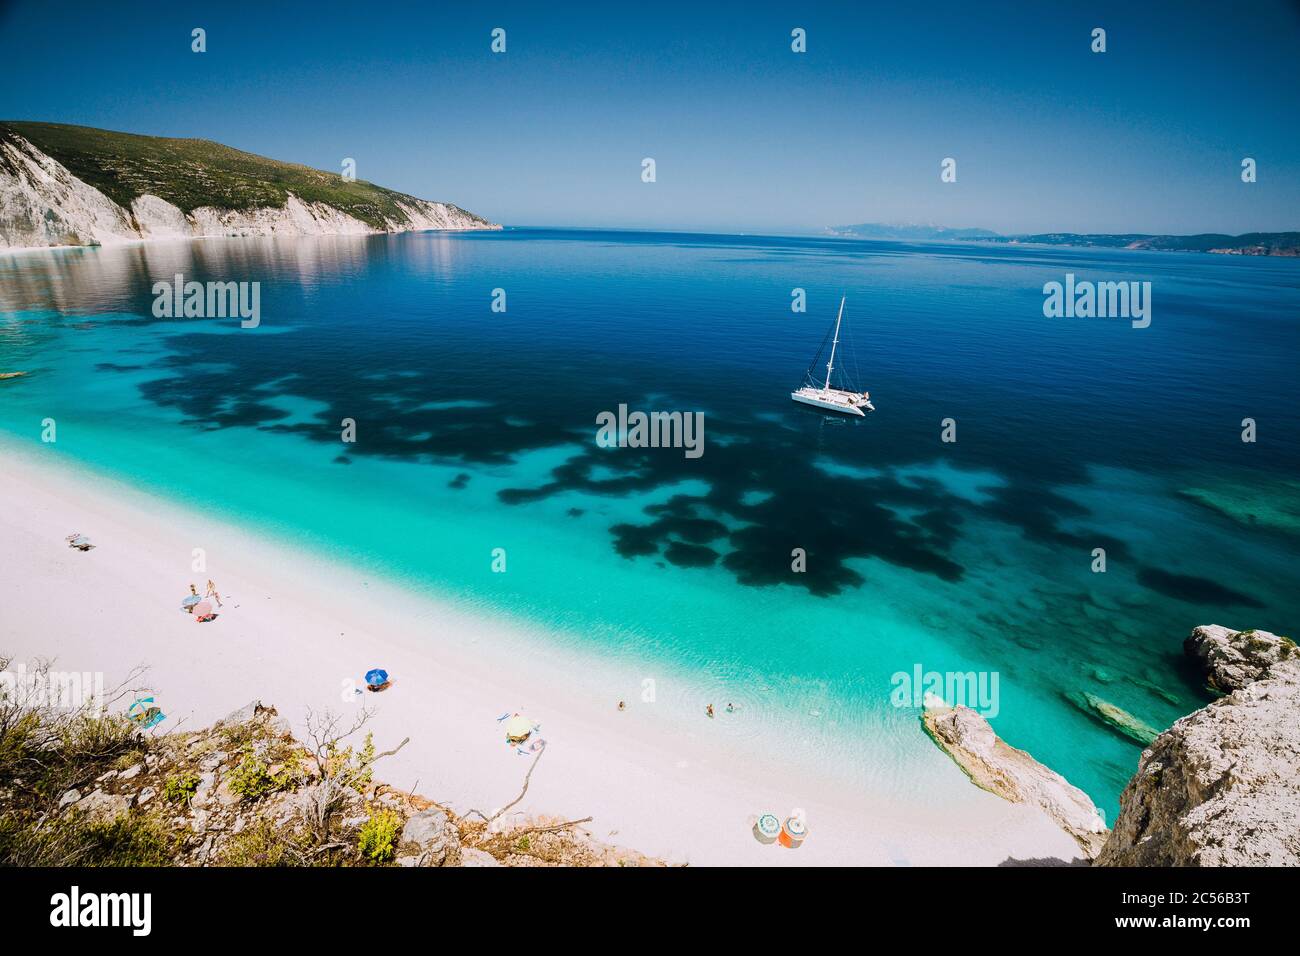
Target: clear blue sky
747	135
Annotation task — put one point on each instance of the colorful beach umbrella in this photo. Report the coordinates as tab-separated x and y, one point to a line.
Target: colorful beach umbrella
518	727
144	713
377	677
793	831
203	610
767	828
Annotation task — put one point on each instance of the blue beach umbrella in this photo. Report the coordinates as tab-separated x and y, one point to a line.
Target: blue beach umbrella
191	600
377	677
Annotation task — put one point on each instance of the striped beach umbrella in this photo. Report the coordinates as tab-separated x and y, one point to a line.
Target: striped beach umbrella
767	828
793	831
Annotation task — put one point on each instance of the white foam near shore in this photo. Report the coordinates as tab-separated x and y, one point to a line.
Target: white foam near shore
295	627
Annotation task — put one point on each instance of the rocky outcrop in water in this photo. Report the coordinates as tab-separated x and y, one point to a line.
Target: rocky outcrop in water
1114	717
1221	787
999	768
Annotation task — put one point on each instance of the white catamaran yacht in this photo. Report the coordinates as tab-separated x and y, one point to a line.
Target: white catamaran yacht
823	396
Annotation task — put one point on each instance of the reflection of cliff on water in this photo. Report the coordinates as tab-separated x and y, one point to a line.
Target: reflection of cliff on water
100	279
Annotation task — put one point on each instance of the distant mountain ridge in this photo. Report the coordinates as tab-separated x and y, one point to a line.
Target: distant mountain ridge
909	231
1248	244
75	185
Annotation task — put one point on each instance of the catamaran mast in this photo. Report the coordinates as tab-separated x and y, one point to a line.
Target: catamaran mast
831	364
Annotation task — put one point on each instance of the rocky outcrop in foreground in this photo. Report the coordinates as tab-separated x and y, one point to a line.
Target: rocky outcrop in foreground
1221	787
244	792
1232	660
999	768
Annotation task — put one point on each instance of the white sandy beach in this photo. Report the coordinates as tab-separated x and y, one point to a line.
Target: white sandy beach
295	627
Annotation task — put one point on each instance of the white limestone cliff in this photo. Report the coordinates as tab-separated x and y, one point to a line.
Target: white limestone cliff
42	205
1221	786
995	766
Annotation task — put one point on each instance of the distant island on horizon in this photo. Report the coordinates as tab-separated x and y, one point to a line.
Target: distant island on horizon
1247	244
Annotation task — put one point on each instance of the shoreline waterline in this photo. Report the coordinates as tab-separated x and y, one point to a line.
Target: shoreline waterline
475	437
297	625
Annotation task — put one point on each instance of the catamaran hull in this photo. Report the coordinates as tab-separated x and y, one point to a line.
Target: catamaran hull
829	406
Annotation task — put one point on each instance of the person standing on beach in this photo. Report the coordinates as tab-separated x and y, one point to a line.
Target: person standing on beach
212	593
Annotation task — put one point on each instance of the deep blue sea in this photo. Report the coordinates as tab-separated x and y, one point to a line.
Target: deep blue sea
476	430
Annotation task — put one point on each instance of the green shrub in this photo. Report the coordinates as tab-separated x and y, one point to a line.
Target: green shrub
181	787
377	838
238	736
352	766
16	739
264	844
252	779
130	839
52	753
99	739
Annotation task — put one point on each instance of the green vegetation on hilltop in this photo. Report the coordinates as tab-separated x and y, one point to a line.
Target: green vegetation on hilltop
190	173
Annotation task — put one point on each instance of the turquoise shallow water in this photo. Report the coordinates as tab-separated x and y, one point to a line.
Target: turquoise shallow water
476	430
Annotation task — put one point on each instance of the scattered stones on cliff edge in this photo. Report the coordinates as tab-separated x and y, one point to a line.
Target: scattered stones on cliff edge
100	805
472	857
430	839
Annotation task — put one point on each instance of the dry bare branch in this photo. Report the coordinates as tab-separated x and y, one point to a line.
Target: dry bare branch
527	777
